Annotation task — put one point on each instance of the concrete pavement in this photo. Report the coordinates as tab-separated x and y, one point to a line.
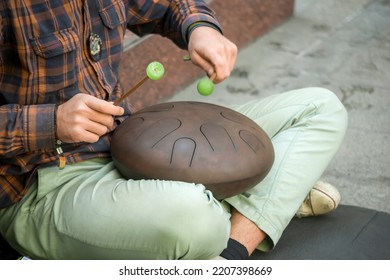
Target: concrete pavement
340	45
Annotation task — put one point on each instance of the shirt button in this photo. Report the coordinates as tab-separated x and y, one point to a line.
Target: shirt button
95	46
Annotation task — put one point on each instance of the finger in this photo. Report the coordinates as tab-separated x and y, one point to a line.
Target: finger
89	137
103	119
213	76
221	68
223	60
208	67
198	60
89	132
96	128
233	56
227	60
80	134
103	106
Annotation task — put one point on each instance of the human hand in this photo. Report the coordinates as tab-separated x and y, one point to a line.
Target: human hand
212	52
85	118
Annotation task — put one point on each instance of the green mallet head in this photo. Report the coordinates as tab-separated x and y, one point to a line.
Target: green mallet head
205	87
155	71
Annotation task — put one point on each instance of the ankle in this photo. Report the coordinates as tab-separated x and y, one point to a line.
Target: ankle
245	232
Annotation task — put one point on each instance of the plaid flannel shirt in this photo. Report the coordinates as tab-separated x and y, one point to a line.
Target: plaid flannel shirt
45	60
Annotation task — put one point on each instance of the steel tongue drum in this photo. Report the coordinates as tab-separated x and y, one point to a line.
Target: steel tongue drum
193	142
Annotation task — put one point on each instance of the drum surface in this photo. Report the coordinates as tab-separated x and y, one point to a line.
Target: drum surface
193	142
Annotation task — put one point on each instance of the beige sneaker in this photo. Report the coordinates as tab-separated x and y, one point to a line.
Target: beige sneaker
323	198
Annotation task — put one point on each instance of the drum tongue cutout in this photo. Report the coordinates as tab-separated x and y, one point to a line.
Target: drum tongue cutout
193	142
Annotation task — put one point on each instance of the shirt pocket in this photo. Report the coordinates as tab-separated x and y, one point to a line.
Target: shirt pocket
108	20
56	59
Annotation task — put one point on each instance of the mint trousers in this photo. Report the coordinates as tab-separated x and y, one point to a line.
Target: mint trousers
88	211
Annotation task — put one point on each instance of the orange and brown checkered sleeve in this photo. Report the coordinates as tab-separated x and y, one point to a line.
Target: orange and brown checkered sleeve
169	18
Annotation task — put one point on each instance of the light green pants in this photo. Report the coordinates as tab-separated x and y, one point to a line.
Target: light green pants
87	211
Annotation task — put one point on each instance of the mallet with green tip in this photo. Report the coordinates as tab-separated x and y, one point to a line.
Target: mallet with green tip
155	71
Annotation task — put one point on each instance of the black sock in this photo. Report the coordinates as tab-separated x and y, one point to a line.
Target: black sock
235	251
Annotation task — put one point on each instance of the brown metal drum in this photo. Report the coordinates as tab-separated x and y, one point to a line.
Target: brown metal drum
193	142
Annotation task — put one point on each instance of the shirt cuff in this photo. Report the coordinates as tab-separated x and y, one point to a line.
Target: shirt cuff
195	19
39	127
197	24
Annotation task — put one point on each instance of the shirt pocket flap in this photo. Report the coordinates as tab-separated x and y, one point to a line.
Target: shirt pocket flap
113	14
57	43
